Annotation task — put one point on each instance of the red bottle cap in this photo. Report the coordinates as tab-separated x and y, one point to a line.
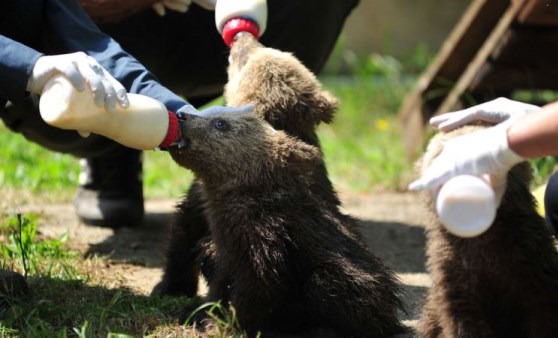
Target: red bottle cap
172	133
237	25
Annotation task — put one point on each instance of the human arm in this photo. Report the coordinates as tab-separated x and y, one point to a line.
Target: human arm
76	32
535	135
181	5
494	151
26	70
16	64
60	26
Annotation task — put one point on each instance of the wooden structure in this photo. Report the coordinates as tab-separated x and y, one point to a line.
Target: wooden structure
497	47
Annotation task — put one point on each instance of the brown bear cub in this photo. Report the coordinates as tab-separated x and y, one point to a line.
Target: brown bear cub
281	257
502	283
288	96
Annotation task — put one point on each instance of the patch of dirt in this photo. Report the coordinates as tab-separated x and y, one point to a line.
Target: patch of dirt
391	222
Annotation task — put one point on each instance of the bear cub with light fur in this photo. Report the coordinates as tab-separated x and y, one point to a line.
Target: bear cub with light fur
281	257
503	283
287	95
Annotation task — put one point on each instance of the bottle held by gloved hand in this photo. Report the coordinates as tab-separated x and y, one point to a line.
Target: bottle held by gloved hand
235	16
145	124
471	173
466	205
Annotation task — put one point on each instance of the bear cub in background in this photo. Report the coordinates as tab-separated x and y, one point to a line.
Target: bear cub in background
281	256
502	283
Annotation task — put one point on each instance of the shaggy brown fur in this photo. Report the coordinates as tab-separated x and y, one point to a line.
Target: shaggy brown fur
503	283
288	96
281	258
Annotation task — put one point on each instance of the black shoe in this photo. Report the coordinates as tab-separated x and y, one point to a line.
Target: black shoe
111	190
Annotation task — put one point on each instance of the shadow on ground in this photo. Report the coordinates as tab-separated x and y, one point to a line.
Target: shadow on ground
392	224
143	245
75	306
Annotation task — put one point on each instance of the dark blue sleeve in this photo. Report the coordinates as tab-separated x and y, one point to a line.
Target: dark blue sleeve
75	31
16	63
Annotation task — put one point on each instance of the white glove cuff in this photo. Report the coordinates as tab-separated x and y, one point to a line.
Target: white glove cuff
505	155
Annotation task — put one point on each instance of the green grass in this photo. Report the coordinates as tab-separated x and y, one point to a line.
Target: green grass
26	166
72	295
362	146
66	307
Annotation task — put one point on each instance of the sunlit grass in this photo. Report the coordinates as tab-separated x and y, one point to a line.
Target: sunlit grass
72	295
27	166
362	146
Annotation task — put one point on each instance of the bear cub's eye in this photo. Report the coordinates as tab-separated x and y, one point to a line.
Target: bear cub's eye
220	124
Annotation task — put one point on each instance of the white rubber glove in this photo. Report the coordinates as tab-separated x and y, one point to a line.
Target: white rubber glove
495	111
483	152
81	69
207	4
175	5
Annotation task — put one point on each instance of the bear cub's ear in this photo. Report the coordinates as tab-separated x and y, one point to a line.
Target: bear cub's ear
296	154
324	106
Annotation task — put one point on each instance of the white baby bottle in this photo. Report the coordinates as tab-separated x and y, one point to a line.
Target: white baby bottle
466	205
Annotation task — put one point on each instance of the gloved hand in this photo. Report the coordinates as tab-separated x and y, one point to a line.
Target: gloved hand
175	5
495	111
181	5
207	4
483	152
81	69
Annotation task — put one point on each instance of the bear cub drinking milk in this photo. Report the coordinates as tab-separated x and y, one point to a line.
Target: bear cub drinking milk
503	283
287	95
281	256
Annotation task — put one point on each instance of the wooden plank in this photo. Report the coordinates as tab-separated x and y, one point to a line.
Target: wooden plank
480	58
539	13
455	53
412	136
467	37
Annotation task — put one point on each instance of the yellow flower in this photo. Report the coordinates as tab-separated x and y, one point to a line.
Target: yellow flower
382	124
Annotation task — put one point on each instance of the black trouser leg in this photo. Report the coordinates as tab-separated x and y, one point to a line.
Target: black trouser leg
551	203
